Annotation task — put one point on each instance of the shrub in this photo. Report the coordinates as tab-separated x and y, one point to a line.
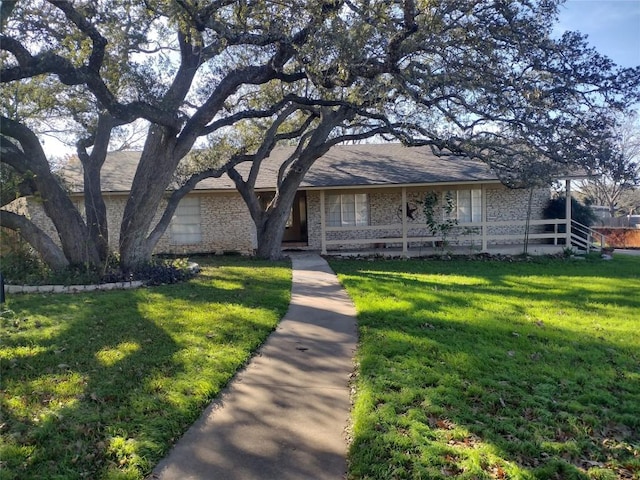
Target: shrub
22	266
156	272
581	213
19	263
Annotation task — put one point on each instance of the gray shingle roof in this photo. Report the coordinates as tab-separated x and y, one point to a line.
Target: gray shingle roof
342	166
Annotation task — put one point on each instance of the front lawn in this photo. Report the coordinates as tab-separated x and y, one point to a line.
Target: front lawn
484	369
99	385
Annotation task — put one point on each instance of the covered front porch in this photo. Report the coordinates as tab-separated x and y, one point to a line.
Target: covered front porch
486	232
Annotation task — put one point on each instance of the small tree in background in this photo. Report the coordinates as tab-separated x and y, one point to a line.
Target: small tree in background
617	171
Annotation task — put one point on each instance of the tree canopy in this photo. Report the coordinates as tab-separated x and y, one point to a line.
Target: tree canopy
616	174
236	78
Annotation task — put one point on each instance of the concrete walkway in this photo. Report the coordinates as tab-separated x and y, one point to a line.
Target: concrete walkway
283	416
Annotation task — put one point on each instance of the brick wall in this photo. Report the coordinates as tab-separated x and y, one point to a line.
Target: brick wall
226	223
226	227
385	204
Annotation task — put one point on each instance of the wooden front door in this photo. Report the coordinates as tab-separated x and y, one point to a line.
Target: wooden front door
296	229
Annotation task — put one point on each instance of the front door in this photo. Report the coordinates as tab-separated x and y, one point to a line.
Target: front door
296	229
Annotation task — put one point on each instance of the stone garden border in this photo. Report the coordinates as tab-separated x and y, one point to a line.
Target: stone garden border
12	289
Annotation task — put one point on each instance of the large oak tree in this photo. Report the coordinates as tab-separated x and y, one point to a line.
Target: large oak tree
468	77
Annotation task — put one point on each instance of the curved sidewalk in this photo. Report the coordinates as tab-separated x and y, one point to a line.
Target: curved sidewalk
283	416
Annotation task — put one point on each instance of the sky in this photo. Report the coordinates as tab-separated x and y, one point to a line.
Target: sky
613	27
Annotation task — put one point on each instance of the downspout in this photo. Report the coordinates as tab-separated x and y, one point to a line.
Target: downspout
527	225
568	212
485	227
323	225
405	251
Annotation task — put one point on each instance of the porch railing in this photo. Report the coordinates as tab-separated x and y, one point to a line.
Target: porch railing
586	238
548	231
478	235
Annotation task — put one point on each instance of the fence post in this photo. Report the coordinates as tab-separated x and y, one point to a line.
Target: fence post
1	288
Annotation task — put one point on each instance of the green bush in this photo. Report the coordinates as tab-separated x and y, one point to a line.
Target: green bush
581	213
19	263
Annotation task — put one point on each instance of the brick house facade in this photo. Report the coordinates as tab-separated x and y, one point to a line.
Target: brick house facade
357	197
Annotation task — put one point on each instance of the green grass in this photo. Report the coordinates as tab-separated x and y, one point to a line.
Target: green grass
100	385
477	370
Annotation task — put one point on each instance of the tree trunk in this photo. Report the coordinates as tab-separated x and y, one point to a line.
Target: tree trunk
270	233
154	174
49	251
96	212
74	237
95	208
270	224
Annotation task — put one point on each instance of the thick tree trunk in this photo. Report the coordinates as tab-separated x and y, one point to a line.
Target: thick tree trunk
154	174
95	208
270	234
49	251
76	243
270	224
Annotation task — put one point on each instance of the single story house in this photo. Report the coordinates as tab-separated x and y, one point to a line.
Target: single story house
355	198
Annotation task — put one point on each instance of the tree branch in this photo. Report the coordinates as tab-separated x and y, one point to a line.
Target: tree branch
51	253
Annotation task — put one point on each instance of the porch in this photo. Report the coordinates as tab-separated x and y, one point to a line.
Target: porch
409	237
535	237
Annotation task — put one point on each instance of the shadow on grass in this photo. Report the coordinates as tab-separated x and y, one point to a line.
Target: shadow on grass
100	385
492	375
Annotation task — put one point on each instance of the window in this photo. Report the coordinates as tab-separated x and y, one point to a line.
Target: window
186	227
348	210
469	206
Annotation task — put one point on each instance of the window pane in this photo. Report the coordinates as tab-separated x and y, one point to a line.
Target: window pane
333	214
464	206
348	210
362	209
449	199
476	205
186	227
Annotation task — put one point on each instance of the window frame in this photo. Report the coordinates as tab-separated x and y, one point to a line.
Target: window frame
473	202
348	210
186	223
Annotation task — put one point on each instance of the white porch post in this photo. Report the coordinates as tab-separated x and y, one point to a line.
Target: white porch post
484	218
405	251
323	226
568	212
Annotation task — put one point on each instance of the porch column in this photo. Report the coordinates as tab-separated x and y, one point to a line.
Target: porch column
404	222
323	226
484	218
568	212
